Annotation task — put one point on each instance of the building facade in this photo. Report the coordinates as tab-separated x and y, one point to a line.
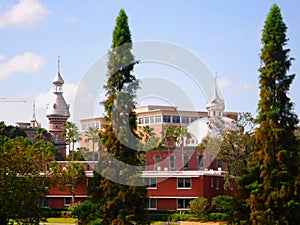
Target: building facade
175	173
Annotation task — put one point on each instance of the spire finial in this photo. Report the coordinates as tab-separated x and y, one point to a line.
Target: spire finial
58	63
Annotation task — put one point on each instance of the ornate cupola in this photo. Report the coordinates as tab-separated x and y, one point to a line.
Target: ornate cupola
215	106
58	112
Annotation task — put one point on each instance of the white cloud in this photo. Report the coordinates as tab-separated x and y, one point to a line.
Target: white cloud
2	57
26	13
27	63
223	82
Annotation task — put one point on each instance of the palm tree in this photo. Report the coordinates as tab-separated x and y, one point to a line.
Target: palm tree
74	174
92	134
71	135
148	132
181	133
42	134
169	136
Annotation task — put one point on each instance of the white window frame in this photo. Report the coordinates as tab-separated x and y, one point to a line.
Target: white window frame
65	201
184	182
151	182
185	203
149	203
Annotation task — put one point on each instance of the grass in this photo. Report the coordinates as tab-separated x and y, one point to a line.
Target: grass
61	220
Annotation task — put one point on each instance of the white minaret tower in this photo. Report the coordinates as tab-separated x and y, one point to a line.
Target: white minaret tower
58	112
215	106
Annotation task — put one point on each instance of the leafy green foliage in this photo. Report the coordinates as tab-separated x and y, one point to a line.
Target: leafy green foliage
74	174
71	135
199	206
85	212
26	172
222	203
10	132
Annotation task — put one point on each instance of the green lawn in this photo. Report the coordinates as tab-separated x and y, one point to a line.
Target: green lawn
61	221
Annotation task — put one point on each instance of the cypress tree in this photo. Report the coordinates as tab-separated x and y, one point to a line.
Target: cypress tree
120	203
272	181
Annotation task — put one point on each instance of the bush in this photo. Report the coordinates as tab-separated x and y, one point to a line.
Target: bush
222	204
183	216
160	215
85	212
54	213
217	217
97	222
199	206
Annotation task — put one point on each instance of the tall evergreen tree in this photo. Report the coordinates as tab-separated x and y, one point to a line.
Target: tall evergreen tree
120	203
273	182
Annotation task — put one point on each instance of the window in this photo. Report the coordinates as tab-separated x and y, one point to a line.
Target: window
166	119
200	162
152	203
141	121
152	120
186	162
151	182
183	182
55	136
183	203
67	201
157	119
219	163
212	182
231	184
146	120
172	162
157	162
185	119
193	118
43	202
217	184
175	119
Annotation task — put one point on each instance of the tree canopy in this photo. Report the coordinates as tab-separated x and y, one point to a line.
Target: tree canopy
119	202
26	171
271	187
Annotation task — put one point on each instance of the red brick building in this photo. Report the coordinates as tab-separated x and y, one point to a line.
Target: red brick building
175	175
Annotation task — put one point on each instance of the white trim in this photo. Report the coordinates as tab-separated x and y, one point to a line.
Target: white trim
186	173
175	197
66	196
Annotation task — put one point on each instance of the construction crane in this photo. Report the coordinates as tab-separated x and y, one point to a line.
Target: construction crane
10	99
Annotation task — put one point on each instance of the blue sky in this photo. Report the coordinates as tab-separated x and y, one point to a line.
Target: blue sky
225	35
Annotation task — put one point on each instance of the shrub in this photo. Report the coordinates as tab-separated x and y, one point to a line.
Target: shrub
97	222
85	212
222	203
199	206
217	217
